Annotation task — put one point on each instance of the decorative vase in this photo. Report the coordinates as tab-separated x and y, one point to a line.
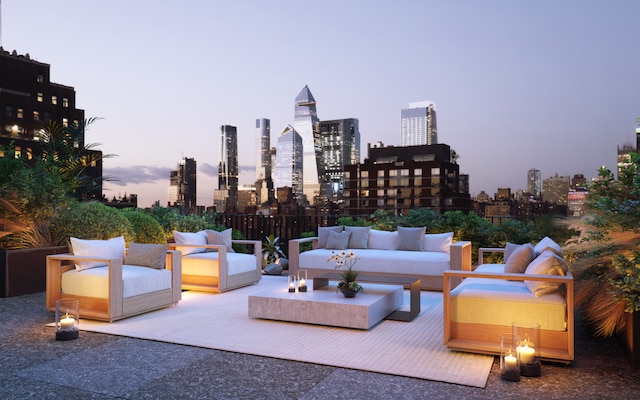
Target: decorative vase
348	293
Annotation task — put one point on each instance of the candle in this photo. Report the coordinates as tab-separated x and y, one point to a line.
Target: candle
302	285
67	323
526	354
292	287
510	362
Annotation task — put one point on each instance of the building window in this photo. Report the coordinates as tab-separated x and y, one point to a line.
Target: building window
40	97
435	171
20	113
364	174
8	111
417	181
380	173
39	78
54	99
417	172
36	116
65	102
65	122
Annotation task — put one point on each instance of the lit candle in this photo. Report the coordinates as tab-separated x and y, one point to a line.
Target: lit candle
526	354
67	323
292	287
302	285
510	362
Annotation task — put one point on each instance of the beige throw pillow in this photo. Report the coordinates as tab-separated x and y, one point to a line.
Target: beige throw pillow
519	259
547	263
147	255
220	238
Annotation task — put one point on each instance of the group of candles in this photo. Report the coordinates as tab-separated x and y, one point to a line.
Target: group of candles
298	283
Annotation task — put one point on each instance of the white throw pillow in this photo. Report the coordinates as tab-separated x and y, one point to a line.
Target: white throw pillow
199	238
548	244
323	234
438	242
111	249
359	236
220	238
411	239
382	240
547	263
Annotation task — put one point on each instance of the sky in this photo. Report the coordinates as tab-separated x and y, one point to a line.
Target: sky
552	84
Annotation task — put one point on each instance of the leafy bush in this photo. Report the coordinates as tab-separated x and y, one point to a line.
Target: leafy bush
93	220
145	228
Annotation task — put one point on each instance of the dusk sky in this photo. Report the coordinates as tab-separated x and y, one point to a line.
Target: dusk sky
551	84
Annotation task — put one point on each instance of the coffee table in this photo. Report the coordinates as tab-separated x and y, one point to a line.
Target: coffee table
398	315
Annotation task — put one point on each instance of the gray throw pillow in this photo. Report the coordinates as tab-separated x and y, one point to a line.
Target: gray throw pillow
338	240
411	239
147	255
519	259
323	234
359	236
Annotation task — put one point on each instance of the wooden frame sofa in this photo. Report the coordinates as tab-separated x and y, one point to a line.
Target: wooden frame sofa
488	301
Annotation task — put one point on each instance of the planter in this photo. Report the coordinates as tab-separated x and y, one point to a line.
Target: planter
23	271
630	338
349	293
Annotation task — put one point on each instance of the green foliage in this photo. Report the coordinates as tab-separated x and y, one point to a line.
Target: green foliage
145	228
384	221
271	250
170	219
350	221
625	284
307	245
93	220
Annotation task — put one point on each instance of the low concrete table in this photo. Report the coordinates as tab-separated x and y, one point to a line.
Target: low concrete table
325	306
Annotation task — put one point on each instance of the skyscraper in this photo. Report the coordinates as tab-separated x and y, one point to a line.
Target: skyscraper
182	186
340	144
228	166
418	124
534	183
264	181
305	124
289	162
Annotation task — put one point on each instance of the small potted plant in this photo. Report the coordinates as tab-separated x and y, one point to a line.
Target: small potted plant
348	285
272	253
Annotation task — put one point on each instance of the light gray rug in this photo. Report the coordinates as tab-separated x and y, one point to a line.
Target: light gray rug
220	321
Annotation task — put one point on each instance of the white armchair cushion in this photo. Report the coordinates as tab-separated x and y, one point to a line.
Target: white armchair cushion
112	248
198	238
94	282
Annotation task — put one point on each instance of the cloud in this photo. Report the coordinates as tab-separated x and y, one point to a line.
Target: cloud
123	176
211	170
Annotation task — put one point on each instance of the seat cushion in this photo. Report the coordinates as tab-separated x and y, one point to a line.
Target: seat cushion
137	280
206	264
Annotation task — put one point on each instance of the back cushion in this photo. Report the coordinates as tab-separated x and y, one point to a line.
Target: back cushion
111	249
199	238
323	234
382	240
359	238
548	244
438	242
220	238
547	263
147	255
338	240
411	239
519	259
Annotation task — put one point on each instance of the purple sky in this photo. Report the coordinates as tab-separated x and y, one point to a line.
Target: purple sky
552	85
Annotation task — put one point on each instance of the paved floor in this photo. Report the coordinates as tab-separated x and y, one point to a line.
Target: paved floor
97	366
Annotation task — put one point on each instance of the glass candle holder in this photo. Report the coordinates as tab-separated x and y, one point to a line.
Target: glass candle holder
528	347
302	281
292	284
67	319
509	363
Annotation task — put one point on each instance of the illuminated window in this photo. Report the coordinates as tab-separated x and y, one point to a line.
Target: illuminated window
20	113
65	102
65	122
380	173
54	99
36	116
40	97
417	172
364	174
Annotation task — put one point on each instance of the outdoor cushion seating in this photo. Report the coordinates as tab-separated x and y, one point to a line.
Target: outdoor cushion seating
489	300
210	264
112	283
406	252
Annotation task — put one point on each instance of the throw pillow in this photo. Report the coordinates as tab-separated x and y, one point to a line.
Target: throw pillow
323	234
548	244
198	238
147	255
519	259
438	242
338	240
111	249
220	238
411	239
547	263
359	236
382	240
508	250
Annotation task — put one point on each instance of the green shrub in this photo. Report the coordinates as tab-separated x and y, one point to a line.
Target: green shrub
145	228
93	220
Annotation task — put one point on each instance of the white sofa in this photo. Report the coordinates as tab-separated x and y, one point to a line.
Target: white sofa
382	253
533	285
209	263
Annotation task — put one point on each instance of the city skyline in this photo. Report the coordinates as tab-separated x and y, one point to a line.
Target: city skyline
550	86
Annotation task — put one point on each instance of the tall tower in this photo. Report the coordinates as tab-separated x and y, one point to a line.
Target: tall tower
418	124
340	143
534	183
289	162
264	181
305	124
228	167
182	186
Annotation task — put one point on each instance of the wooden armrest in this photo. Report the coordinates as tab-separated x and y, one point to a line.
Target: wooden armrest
460	255
510	277
483	250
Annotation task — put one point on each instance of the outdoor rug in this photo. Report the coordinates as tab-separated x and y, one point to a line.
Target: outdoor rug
219	321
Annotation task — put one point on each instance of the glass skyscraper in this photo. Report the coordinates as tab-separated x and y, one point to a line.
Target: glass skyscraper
418	124
289	162
305	124
264	181
340	144
228	166
534	183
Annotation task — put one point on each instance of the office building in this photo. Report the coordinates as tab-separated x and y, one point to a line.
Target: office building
534	183
264	180
340	144
288	172
228	166
398	179
556	189
182	186
29	102
418	124
305	123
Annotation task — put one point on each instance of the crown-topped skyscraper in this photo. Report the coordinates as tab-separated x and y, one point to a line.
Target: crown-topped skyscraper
305	122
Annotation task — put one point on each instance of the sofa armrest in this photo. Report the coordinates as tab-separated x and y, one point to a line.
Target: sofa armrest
483	250
460	256
257	251
294	252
